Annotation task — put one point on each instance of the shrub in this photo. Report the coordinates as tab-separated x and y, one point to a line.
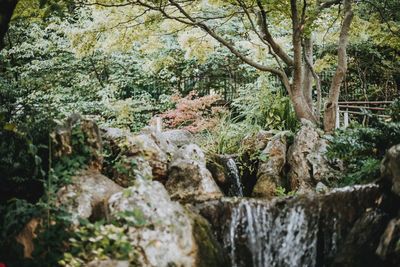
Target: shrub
266	107
362	149
104	240
20	165
193	113
394	110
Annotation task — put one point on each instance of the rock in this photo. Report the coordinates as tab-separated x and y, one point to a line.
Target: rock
144	146
26	237
258	141
112	134
168	234
160	139
87	195
75	124
321	188
304	230
388	249
132	154
189	179
358	247
270	173
225	172
217	170
210	252
307	160
390	168
178	138
119	165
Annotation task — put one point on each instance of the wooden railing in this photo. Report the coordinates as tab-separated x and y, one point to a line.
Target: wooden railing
356	110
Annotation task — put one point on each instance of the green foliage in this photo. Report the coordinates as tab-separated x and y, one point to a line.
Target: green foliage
52	232
227	137
266	107
14	216
67	165
50	243
104	240
99	241
20	164
282	192
362	149
394	110
361	171
125	166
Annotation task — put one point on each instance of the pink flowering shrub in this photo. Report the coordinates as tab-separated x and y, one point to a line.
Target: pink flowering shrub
193	113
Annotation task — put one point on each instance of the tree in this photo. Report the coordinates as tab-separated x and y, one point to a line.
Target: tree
294	65
6	12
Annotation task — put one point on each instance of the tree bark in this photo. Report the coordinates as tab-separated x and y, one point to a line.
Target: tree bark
301	107
6	12
307	74
334	91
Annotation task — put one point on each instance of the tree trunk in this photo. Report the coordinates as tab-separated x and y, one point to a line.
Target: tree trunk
334	92
301	107
307	74
6	11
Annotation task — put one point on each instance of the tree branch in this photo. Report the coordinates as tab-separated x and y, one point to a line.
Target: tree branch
6	12
266	35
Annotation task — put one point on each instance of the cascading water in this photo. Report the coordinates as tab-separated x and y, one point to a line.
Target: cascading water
308	230
235	188
270	240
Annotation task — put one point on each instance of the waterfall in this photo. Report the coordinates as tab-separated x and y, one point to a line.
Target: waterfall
306	230
235	188
288	239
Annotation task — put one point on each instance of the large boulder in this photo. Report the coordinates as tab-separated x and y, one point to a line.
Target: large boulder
189	179
390	169
134	155
87	195
225	172
164	231
270	172
389	249
162	140
78	135
178	137
307	159
143	146
257	142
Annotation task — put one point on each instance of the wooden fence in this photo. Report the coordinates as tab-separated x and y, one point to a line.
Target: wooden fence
356	110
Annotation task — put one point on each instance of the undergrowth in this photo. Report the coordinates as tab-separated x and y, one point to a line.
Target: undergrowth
362	148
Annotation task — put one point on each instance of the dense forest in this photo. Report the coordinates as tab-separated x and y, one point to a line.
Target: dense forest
203	133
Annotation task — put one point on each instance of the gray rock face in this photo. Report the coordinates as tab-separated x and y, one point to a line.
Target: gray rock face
189	179
144	146
166	235
307	160
87	195
258	141
178	138
135	155
390	168
225	172
270	170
